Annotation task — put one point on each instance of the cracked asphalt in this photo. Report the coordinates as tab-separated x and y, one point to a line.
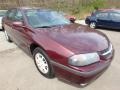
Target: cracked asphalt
18	72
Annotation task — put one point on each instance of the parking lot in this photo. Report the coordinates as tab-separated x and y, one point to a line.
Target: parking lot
18	72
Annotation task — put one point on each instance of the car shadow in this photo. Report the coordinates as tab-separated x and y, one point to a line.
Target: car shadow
107	29
1	30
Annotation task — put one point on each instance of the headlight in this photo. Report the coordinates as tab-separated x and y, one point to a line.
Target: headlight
84	59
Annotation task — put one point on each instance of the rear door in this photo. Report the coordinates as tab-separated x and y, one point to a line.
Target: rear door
103	19
115	20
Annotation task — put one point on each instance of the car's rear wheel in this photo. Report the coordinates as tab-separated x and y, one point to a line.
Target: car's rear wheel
2	28
42	63
93	25
7	37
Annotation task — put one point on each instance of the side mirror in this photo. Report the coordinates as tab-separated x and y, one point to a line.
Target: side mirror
18	23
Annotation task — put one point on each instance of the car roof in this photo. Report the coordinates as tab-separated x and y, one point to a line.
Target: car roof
109	10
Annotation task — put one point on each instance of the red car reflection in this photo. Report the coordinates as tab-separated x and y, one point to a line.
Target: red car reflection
70	17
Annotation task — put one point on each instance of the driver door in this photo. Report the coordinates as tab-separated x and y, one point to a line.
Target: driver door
21	33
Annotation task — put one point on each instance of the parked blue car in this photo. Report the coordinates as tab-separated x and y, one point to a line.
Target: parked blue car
107	18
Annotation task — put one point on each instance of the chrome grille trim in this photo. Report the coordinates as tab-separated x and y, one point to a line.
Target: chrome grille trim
108	51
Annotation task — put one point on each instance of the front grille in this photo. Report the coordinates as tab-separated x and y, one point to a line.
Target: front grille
107	53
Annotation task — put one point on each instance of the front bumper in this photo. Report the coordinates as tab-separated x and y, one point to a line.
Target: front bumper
85	74
77	77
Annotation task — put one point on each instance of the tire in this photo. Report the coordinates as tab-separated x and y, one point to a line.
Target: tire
42	63
93	25
7	37
2	28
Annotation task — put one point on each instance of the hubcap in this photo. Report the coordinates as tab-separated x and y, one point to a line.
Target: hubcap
92	25
6	35
41	63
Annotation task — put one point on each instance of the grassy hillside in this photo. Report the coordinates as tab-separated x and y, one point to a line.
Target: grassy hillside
79	8
82	8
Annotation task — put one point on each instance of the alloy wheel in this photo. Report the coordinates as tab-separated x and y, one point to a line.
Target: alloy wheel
41	63
93	25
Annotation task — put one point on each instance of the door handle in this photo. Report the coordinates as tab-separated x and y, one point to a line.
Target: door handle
20	29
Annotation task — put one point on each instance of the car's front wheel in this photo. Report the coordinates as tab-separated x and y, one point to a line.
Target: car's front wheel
42	63
93	25
7	36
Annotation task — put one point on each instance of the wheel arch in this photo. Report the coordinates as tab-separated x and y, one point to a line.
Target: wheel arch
33	46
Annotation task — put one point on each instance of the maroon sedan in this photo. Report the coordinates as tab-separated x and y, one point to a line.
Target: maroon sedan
70	51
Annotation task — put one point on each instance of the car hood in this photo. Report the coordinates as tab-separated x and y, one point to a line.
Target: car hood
77	38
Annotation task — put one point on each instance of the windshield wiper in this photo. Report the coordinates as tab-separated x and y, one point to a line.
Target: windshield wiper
43	27
48	26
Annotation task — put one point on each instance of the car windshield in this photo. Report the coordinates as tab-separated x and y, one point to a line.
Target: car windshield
45	18
2	13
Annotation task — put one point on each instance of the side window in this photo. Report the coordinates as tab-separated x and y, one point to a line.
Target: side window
18	16
115	16
102	16
10	14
